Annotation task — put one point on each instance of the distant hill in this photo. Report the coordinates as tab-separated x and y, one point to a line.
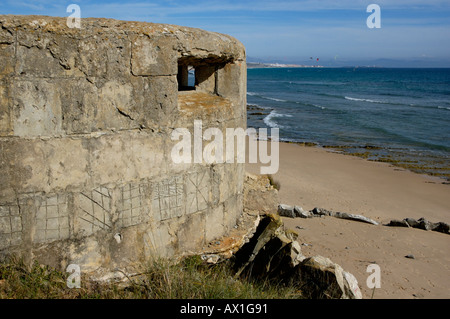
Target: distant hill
256	65
419	62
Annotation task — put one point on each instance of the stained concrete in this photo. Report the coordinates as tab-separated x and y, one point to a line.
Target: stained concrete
86	117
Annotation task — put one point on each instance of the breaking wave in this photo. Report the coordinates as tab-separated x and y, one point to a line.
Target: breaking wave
269	120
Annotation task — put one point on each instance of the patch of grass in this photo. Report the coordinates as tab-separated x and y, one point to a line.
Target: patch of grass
21	281
191	278
18	280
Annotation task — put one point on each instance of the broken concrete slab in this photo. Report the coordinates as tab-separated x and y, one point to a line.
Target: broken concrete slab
272	255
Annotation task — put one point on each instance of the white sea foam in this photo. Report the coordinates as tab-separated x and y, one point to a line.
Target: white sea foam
319	106
314	105
265	97
274	99
443	107
269	119
362	100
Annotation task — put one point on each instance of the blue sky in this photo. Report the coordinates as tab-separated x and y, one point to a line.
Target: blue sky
287	30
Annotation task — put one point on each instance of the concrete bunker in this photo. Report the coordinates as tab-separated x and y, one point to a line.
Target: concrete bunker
86	117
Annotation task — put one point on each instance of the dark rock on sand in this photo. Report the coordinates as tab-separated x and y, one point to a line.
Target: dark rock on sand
321	212
397	223
271	254
300	212
286	210
441	227
421	223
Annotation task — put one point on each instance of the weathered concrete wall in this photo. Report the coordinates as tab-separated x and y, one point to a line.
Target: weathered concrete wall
85	122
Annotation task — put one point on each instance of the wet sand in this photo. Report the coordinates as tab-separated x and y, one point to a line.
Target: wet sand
313	177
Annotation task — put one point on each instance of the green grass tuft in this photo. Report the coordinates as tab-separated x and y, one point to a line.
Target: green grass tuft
191	278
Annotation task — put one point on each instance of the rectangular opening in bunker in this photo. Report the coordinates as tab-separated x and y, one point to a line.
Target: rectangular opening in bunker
186	77
197	74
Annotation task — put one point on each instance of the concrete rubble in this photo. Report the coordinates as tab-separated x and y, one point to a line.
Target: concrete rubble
297	211
270	252
274	254
421	223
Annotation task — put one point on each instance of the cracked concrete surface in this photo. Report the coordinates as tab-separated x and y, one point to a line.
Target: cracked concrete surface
86	117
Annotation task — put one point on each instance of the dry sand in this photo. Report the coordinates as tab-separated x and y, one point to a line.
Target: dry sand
313	177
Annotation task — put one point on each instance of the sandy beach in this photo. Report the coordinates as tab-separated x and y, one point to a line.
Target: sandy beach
313	177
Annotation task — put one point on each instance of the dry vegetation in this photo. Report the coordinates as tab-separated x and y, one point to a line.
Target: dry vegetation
189	279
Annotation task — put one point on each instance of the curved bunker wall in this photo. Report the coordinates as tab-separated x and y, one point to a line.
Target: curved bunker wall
86	117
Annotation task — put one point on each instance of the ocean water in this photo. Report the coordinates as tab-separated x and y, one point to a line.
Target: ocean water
401	116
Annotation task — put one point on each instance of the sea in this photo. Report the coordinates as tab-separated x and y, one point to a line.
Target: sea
394	115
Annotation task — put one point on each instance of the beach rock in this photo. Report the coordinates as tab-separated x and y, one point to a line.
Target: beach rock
441	227
299	212
421	223
321	212
293	211
397	223
320	278
286	210
355	217
410	256
411	222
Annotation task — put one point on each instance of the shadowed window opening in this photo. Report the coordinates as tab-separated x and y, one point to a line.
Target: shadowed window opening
196	74
186	78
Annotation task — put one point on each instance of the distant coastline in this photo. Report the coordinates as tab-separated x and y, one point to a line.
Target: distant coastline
256	65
